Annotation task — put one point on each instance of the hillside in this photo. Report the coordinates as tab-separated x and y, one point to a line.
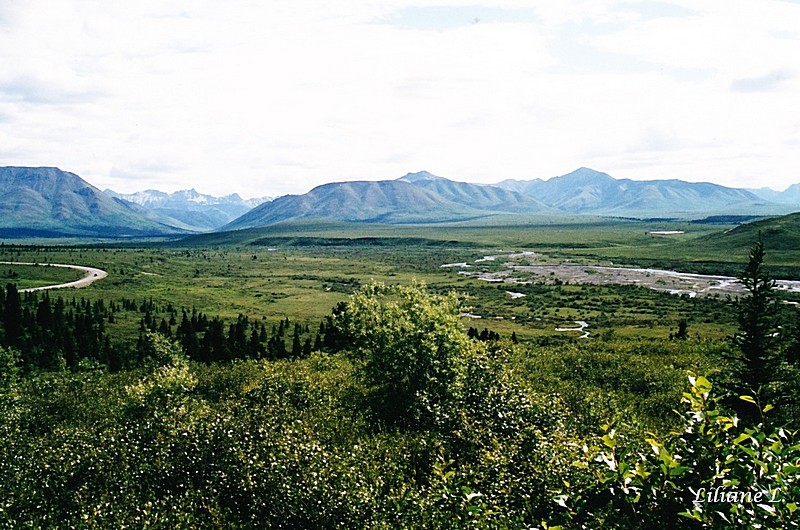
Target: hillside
778	233
586	191
391	201
426	198
49	202
414	198
483	197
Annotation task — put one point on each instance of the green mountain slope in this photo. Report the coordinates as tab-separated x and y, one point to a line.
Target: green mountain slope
483	197
778	233
390	201
416	198
586	191
49	202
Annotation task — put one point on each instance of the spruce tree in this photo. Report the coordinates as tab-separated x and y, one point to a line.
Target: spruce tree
757	315
12	317
297	349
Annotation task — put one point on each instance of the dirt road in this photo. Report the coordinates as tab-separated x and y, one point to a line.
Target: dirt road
92	275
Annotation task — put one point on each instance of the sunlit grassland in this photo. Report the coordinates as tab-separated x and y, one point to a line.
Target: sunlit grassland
303	271
556	233
582	239
302	284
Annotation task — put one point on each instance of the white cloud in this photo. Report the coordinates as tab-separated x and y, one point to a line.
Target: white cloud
766	83
265	98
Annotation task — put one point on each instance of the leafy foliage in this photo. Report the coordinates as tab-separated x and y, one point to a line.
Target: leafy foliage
628	485
411	350
389	414
9	359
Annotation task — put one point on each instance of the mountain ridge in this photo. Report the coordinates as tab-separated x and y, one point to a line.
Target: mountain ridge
587	191
190	208
388	201
790	195
415	198
584	192
49	202
52	202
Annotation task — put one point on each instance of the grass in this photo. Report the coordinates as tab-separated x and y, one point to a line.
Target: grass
220	440
303	270
31	276
700	248
522	233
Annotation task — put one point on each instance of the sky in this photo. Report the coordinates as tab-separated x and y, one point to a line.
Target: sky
265	98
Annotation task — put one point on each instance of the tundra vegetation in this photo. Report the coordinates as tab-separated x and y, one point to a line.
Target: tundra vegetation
319	384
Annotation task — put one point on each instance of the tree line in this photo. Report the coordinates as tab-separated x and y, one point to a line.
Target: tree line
57	333
54	333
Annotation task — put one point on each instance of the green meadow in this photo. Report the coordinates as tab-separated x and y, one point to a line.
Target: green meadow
32	276
302	271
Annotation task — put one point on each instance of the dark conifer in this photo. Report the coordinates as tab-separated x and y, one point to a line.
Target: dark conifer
12	317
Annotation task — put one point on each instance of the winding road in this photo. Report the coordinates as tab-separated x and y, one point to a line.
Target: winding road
92	275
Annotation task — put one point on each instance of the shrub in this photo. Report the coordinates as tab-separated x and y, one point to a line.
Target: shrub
650	485
410	348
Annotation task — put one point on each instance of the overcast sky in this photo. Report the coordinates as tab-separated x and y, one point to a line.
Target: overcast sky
268	97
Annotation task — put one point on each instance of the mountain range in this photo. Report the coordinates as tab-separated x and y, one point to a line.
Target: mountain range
415	198
49	202
200	212
425	198
790	195
586	191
